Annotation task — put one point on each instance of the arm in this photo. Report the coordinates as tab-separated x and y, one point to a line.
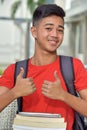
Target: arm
6	97
23	87
54	90
78	104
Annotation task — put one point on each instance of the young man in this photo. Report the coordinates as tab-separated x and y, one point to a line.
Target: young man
44	85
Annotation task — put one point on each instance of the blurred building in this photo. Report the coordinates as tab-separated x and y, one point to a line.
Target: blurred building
76	33
12	34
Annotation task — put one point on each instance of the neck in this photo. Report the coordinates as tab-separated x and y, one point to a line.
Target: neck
43	56
39	59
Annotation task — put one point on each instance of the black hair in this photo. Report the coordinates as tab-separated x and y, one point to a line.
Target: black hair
46	10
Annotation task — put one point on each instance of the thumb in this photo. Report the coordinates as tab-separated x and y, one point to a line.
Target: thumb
21	72
56	75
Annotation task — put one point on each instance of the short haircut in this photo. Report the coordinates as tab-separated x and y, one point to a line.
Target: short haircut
46	10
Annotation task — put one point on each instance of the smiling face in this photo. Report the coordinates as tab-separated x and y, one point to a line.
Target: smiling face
48	33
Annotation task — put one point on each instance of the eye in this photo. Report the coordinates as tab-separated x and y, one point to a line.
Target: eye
49	29
61	31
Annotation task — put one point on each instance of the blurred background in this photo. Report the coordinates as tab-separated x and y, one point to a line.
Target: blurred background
16	42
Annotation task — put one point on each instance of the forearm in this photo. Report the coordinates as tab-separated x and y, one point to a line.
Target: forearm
7	98
76	103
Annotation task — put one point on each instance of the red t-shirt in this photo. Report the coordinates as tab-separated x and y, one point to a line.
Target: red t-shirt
37	102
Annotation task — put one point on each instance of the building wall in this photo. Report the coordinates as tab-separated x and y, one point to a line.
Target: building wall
12	34
76	22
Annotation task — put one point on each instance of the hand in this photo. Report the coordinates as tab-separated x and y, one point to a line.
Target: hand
24	86
54	89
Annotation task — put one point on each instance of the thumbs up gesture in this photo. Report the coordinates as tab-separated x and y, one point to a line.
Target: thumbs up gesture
54	89
23	86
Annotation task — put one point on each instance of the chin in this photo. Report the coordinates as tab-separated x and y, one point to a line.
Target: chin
51	51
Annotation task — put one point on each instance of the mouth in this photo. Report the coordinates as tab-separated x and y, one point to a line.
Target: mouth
53	42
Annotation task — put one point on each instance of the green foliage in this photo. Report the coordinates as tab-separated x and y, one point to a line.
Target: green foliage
40	2
1	71
1	1
15	7
31	5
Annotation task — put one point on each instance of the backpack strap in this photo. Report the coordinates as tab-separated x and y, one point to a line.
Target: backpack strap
67	70
24	64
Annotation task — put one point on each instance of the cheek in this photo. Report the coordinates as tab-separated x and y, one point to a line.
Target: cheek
41	35
61	37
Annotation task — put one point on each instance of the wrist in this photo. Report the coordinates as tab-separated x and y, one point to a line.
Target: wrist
64	96
15	93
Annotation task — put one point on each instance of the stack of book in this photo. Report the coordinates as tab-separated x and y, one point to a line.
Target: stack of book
38	121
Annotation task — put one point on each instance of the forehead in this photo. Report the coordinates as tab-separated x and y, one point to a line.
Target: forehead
52	20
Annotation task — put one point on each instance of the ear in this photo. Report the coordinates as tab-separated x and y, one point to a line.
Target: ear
33	31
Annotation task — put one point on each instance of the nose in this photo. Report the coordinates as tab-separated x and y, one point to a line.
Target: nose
54	33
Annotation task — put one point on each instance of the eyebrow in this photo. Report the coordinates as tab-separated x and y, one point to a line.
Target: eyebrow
50	24
61	26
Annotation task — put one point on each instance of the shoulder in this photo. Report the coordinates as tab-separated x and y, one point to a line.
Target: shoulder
9	70
80	73
10	67
7	78
78	64
76	61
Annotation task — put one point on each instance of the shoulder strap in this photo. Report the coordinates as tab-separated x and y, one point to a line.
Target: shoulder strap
24	64
67	70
